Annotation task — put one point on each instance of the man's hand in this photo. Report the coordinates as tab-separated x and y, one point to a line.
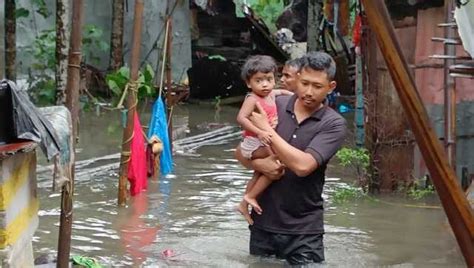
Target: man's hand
270	167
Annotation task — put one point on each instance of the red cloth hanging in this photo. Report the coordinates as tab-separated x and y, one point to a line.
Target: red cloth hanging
357	30
137	167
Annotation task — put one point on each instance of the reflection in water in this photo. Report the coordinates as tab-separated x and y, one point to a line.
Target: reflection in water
191	213
135	233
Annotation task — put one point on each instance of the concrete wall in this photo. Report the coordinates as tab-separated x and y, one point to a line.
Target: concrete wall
18	209
464	136
99	13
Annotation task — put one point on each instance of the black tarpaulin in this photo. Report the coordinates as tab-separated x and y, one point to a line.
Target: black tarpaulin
29	123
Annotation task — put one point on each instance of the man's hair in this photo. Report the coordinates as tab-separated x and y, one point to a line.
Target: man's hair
320	61
258	63
294	63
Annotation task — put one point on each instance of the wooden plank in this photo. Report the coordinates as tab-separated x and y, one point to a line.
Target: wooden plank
454	202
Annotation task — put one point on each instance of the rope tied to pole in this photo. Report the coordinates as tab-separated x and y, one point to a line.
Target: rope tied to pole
130	88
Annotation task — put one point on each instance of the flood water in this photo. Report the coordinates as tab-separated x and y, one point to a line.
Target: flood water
188	219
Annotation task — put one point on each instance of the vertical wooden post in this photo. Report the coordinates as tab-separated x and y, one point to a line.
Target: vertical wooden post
452	198
169	93
10	40
131	102
72	103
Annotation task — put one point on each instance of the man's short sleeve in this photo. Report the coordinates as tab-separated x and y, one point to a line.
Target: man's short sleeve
326	143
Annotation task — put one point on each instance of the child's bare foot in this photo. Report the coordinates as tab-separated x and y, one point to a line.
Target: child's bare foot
243	208
253	202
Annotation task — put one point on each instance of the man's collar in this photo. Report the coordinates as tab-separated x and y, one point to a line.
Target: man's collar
290	107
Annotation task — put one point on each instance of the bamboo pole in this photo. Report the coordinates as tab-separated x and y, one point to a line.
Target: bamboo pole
169	93
72	103
131	102
452	198
449	91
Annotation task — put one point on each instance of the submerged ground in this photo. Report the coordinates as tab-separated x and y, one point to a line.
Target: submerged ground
188	219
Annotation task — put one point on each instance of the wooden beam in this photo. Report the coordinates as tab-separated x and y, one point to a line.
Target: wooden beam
452	198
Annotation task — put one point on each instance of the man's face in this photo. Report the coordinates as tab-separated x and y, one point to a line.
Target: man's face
312	87
288	77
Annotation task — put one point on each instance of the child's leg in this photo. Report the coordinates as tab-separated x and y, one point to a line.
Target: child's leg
261	152
251	196
243	206
262	182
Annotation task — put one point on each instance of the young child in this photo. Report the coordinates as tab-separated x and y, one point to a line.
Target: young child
258	73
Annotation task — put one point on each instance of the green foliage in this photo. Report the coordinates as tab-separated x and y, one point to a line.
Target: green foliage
418	191
269	11
119	79
43	91
358	157
347	193
42	8
92	43
43	86
358	160
22	13
43	51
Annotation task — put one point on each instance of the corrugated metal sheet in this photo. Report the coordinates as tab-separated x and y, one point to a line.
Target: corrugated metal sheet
430	83
429	80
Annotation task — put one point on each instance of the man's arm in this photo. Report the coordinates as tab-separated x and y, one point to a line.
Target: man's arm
282	92
300	162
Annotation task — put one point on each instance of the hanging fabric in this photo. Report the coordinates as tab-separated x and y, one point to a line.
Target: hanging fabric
159	127
137	173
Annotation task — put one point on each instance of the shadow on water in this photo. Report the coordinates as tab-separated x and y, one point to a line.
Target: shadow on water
188	219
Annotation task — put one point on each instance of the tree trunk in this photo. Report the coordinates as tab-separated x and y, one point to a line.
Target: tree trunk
315	8
10	40
116	39
62	46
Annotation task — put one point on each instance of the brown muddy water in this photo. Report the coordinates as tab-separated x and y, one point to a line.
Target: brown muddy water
188	219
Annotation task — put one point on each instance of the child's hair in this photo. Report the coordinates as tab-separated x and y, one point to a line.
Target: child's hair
258	63
320	61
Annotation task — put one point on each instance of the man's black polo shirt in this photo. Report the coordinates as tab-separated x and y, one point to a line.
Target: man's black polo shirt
294	205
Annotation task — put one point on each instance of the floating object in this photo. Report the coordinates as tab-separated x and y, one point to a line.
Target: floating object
168	253
344	108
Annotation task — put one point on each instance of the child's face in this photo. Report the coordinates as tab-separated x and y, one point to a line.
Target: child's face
261	83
